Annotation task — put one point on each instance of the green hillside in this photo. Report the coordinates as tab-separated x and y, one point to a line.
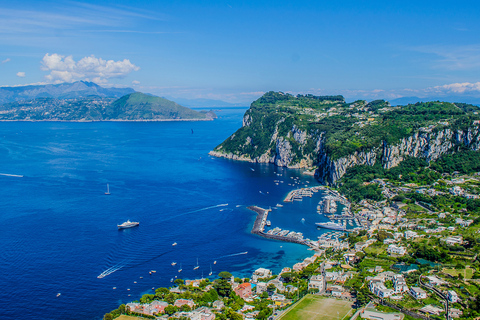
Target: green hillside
139	106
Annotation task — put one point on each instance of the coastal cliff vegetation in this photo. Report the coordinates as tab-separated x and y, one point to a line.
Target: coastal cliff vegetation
330	135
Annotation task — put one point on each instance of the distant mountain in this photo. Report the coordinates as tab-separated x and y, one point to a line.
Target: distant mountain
79	89
136	106
458	98
133	107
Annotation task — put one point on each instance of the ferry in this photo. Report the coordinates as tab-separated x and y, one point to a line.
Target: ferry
127	224
331	225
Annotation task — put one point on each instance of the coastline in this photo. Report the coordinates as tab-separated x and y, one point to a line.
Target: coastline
113	120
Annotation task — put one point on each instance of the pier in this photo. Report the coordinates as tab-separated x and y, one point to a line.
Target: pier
259	227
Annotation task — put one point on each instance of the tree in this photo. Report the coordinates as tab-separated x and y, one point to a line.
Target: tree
223	287
179	282
170	310
107	316
225	275
185	308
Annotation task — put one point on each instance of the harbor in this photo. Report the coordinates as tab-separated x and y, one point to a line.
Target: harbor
259	229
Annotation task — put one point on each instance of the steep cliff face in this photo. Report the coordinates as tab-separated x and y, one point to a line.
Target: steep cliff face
332	136
428	145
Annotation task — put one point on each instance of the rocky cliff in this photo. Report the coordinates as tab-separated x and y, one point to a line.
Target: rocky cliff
325	136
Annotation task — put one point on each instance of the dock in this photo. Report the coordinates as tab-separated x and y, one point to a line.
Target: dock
259	227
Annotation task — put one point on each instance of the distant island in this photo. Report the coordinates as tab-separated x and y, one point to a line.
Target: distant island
86	101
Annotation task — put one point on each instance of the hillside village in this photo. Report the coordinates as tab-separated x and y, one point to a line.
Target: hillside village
413	257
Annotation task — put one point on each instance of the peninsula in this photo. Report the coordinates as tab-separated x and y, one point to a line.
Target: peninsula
82	101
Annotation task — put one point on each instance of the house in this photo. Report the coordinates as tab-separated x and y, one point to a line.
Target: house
244	290
317	282
394	249
261	287
277	283
262	273
399	284
418	293
202	313
434	281
159	306
454	240
452	296
180	302
218	304
377	287
431	309
410	234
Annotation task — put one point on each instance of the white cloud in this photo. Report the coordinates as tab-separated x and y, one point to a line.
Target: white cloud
88	68
464	87
6	60
21	74
135	82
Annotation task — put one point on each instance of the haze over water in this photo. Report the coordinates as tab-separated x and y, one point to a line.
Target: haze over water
58	229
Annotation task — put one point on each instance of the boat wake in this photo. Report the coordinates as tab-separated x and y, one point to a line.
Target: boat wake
212	207
11	175
111	270
234	254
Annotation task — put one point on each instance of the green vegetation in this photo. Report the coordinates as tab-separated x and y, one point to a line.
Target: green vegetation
345	128
318	308
134	106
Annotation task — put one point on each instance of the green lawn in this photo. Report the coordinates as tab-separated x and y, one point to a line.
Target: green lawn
125	317
312	307
375	249
467	272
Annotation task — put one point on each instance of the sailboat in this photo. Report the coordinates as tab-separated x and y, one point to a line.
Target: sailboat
180	270
108	190
210	270
197	266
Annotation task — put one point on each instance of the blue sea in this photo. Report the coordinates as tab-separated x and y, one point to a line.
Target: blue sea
58	229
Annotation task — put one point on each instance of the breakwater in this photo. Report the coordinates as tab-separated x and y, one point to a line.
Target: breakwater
259	227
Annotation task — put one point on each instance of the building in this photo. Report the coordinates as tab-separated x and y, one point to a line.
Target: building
218	304
244	290
394	249
377	315
180	302
317	282
452	296
399	284
454	240
410	234
418	293
261	287
262	273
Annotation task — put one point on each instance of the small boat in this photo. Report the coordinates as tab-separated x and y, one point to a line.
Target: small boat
59	294
210	273
114	288
171	280
197	266
174	263
153	271
108	190
174	244
279	205
134	281
180	270
215	262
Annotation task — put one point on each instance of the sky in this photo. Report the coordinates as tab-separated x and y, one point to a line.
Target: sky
236	50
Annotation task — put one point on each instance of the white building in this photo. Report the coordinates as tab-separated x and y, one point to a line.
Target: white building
316	282
452	296
394	249
418	293
410	234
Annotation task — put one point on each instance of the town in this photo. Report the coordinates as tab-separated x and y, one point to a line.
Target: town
412	254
